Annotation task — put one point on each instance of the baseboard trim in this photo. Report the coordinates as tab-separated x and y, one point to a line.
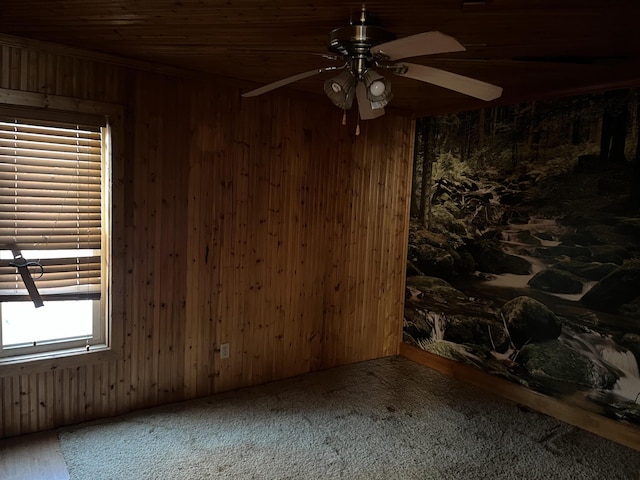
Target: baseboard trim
624	434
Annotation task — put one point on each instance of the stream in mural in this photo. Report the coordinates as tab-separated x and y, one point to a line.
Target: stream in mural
529	267
600	348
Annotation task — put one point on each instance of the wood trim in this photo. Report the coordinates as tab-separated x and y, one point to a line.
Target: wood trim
610	429
74	53
79	53
58	102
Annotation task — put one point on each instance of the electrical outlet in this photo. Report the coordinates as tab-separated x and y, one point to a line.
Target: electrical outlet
224	350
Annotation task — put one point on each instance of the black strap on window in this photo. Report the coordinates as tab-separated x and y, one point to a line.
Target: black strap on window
23	265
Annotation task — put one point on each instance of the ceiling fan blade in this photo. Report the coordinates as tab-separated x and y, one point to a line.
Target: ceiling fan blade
268	52
452	81
364	105
426	43
288	80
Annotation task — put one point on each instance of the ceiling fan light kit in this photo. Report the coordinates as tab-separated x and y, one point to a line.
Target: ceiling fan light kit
378	88
341	89
364	47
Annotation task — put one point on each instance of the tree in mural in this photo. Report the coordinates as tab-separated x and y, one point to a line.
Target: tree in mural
614	127
635	177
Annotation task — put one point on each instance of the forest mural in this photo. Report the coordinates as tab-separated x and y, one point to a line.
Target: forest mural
524	246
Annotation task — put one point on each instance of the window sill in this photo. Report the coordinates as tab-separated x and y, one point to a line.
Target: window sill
74	357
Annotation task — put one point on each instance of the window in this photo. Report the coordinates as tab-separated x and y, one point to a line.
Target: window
54	233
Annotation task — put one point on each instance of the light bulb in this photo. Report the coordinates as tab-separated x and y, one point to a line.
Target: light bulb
335	86
377	88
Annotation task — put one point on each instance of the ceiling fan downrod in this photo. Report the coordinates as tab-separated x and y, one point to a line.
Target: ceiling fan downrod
354	42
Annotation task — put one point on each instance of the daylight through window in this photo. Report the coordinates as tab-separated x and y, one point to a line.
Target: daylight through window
54	211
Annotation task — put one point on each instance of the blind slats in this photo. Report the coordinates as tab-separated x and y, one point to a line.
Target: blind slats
18	153
60	281
23	185
81	231
43	219
8	161
21	148
51	243
45	209
18	127
46	201
50	200
54	265
83	278
6	135
40	142
65	170
44	225
52	181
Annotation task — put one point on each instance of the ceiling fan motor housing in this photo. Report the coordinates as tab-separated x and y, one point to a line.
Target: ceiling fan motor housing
354	43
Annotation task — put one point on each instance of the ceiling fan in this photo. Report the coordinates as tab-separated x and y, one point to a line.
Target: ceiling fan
364	46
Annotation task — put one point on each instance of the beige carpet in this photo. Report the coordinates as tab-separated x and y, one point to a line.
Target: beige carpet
382	419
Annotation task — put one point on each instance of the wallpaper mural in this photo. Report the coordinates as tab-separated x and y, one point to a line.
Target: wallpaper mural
524	246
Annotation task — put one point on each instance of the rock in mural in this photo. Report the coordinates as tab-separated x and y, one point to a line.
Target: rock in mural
529	321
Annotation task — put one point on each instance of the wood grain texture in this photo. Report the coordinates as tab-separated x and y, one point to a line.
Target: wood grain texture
261	223
622	433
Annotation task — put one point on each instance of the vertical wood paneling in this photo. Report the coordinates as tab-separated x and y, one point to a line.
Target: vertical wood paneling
261	223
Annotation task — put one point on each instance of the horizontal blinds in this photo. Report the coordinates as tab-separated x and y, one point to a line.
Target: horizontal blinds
50	201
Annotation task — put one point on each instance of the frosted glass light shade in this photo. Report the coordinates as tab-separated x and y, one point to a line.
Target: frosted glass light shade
378	89
341	89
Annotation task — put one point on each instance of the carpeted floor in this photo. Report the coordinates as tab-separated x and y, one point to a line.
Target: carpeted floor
382	419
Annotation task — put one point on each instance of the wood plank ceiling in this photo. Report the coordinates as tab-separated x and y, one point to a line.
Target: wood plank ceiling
534	49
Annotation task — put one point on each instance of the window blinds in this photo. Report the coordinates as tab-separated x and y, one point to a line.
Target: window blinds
50	208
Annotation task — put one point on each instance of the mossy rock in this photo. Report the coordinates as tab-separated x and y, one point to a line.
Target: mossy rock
416	323
408	339
629	226
491	259
553	367
561	250
463	262
526	237
611	235
528	320
609	253
619	287
434	285
556	281
422	236
432	261
579	238
588	270
480	331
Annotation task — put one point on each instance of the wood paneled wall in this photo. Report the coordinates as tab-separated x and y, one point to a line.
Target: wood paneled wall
262	223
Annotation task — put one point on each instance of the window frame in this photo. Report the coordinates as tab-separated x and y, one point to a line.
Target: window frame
65	110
